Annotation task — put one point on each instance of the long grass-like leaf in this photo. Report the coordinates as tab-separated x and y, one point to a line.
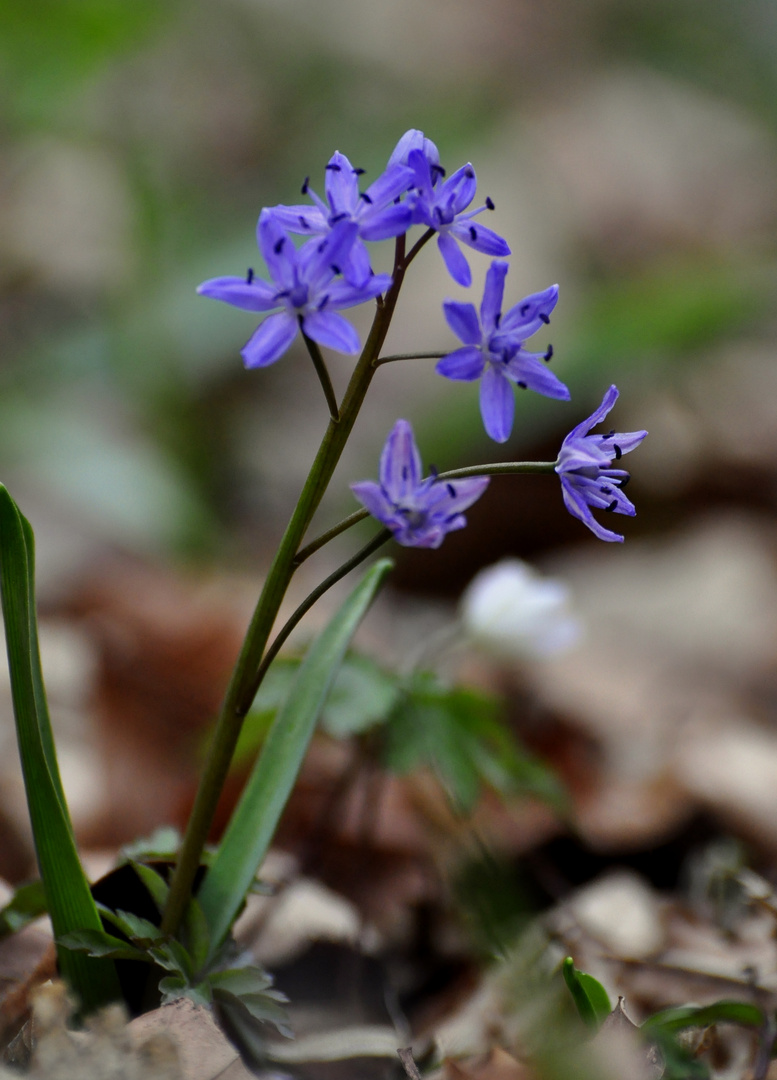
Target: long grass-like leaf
248	835
68	899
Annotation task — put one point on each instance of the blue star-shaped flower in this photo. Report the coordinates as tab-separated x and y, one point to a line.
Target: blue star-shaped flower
418	512
440	205
493	349
305	285
585	468
374	211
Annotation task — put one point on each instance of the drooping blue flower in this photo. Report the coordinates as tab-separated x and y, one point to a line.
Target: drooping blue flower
585	468
493	348
441	204
418	512
304	285
374	211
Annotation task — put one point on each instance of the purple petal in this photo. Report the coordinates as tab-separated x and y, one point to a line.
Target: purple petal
342	294
258	296
341	185
270	340
578	507
371	495
458	191
395	181
466	364
330	329
622	442
319	260
357	269
480	238
414	140
497	404
400	463
527	368
453	496
596	417
455	262
383	224
419	163
277	249
491	304
463	321
526	317
302	218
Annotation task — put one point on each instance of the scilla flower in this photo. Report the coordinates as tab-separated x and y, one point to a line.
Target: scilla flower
419	512
375	212
493	350
442	205
512	611
305	286
585	468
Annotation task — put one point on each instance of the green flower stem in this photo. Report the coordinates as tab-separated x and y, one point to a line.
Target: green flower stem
501	468
323	374
242	687
408	356
364	553
330	534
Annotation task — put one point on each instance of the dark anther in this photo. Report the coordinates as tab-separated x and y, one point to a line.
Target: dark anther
278	246
606	490
249	275
404	472
359	172
303	221
521	384
333	168
337	217
433	470
548	354
625	480
305	184
489	203
365	196
612	506
525	308
610	434
470	173
497	320
322	302
437	169
335	268
321	247
473	233
451	490
618	451
545	318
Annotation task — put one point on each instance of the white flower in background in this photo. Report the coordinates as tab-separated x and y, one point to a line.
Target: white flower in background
513	612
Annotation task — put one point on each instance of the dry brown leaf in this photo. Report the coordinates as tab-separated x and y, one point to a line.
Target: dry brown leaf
205	1052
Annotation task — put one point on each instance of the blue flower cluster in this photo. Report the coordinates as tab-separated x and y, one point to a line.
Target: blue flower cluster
312	281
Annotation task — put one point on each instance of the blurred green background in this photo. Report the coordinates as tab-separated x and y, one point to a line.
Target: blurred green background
630	150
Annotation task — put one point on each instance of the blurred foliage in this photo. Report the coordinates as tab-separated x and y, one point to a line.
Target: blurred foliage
458	733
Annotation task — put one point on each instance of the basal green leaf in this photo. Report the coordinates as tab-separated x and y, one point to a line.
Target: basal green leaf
68	898
248	835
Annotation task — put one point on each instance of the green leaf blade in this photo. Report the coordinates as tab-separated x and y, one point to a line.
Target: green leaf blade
254	821
68	898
